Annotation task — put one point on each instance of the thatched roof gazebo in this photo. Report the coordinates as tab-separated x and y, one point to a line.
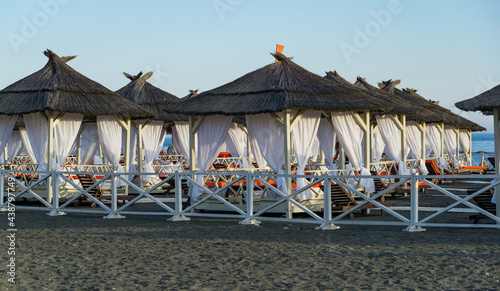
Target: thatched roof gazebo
484	102
488	102
141	92
392	123
58	87
278	89
55	94
154	99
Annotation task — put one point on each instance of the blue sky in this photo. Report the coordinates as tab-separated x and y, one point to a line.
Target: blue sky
448	50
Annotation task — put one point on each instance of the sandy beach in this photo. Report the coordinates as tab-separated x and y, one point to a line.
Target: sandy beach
86	252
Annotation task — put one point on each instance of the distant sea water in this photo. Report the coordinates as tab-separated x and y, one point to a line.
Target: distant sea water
481	142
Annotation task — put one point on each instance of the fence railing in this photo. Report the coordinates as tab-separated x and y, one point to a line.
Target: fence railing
245	195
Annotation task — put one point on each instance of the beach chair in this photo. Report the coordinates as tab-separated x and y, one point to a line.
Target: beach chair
483	200
492	162
97	192
381	184
433	170
343	201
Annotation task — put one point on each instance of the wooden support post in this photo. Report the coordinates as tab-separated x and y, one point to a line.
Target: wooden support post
441	130
496	130
50	154
128	131
402	119
469	133
287	162
140	160
422	139
457	150
192	161
367	138
79	145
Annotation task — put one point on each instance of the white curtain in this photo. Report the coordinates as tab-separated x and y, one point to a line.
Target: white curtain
38	133
414	142
450	142
465	144
433	135
161	141
392	139
14	145
180	134
351	139
110	140
239	139
211	134
256	152
65	132
7	123
315	150
327	136
263	130
133	149
89	143
378	144
228	146
27	144
303	135
150	136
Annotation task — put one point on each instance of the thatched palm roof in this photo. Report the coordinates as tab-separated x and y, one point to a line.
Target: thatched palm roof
435	109
274	88
484	102
58	87
400	106
152	98
430	113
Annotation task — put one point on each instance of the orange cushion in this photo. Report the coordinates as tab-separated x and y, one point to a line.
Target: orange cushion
472	168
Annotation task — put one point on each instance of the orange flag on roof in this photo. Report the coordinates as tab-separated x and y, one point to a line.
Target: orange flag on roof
279	49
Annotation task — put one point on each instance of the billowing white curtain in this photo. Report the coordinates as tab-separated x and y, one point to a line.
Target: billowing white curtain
256	152
433	135
465	144
351	139
180	133
315	150
14	145
327	136
450	142
414	142
211	134
228	146
161	141
38	133
263	130
378	145
89	143
110	140
133	149
65	132
239	140
7	123
150	137
392	139
303	135
27	144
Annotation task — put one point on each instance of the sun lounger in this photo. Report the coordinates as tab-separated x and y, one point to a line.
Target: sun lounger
483	200
433	170
343	201
97	192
